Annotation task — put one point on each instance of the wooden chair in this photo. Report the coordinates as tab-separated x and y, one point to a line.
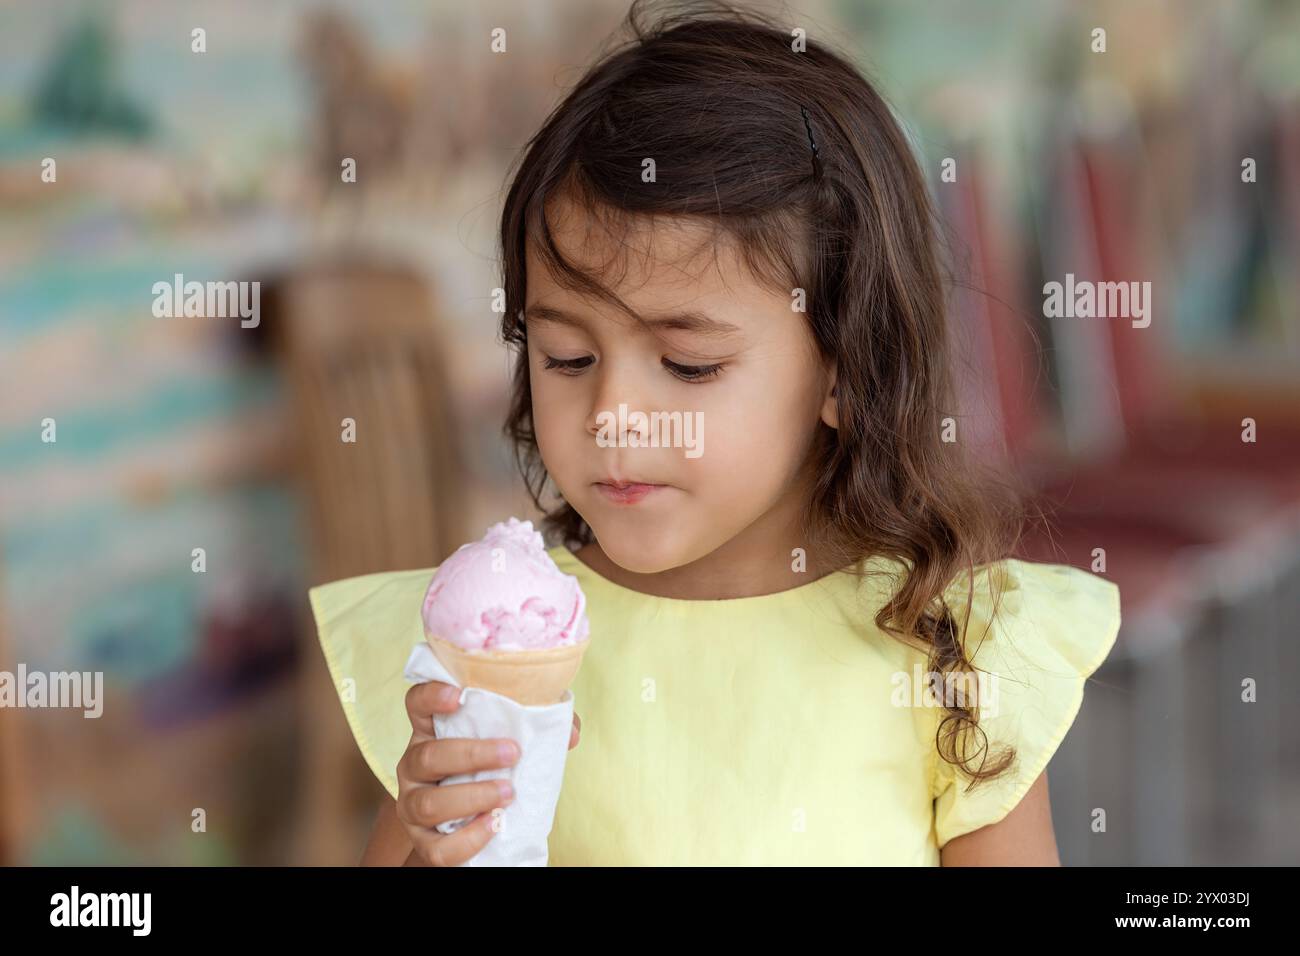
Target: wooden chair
360	342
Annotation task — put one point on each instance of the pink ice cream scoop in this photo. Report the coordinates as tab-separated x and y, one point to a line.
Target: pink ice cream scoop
503	592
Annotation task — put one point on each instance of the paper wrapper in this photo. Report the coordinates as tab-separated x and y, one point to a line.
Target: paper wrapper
541	730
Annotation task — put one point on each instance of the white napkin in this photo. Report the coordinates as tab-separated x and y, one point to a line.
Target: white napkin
543	736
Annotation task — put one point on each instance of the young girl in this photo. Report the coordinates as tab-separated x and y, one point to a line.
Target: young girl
808	643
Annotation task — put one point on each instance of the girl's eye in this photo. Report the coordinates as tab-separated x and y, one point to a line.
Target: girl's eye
687	373
568	366
693	373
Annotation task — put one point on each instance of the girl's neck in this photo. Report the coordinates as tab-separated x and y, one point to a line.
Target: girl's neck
707	579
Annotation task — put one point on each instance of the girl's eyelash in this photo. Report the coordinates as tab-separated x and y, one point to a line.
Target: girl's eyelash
568	366
687	373
693	373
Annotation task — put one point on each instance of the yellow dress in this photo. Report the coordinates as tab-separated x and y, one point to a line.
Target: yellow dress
783	729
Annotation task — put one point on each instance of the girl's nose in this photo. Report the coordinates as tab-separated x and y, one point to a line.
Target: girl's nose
604	418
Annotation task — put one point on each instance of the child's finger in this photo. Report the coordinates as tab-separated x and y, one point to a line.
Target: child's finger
425	700
461	846
429	806
430	760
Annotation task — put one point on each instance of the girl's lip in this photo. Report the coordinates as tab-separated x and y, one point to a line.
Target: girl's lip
627	494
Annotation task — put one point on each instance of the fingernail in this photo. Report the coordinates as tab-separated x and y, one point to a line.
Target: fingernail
507	791
449	695
508	751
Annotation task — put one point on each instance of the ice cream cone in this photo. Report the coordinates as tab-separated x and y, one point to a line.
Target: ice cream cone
500	615
531	678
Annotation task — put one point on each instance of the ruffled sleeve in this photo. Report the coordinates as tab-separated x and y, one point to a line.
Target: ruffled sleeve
367	626
1053	627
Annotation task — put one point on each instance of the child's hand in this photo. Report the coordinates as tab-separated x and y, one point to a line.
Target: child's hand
422	804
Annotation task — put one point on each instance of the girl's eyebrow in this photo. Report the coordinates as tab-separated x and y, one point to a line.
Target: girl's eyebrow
687	321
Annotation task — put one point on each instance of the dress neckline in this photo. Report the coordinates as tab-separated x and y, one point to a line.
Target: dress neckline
570	563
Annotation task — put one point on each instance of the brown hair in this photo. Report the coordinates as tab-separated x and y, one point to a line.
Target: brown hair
730	114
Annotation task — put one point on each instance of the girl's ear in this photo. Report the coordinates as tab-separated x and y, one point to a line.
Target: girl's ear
830	410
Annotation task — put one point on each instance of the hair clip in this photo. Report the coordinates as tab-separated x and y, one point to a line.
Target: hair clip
807	123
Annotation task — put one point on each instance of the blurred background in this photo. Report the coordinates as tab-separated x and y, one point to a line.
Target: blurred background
1171	451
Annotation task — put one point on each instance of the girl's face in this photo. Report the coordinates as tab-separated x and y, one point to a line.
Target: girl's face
729	364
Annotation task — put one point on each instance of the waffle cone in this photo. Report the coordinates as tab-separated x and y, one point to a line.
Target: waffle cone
531	678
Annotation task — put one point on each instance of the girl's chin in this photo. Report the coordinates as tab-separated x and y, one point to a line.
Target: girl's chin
637	552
